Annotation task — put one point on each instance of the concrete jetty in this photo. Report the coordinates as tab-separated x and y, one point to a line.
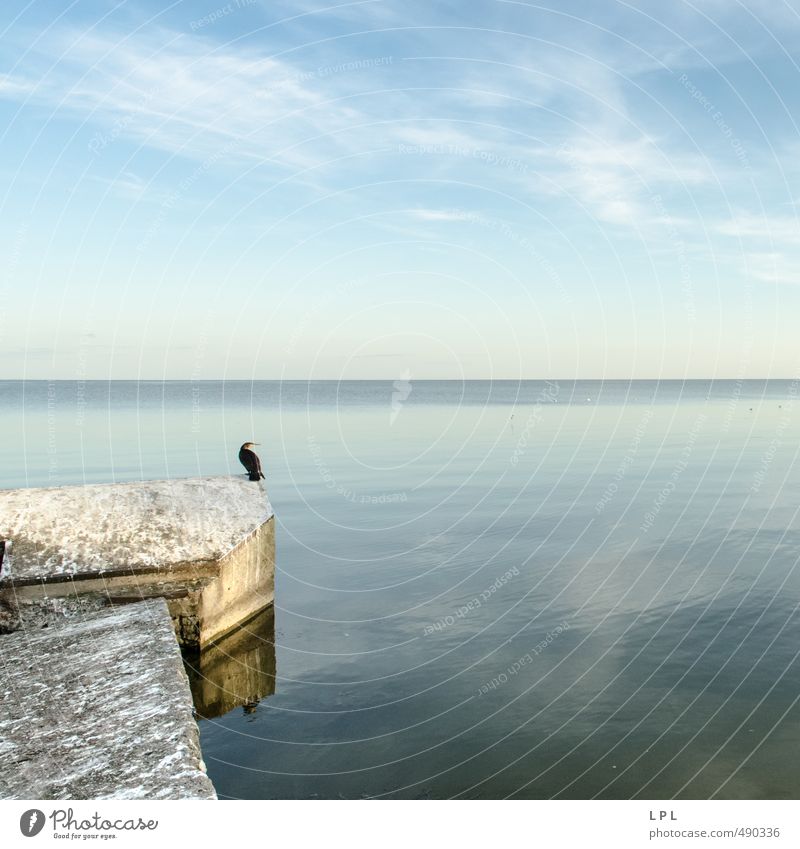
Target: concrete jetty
206	545
96	583
99	707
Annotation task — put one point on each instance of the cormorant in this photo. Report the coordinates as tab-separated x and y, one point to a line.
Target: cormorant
249	459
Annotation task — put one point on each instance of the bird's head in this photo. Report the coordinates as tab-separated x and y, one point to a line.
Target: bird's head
249	445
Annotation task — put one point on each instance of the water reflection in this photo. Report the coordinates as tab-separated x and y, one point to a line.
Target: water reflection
235	671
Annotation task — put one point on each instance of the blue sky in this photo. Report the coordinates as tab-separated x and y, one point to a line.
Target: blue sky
376	189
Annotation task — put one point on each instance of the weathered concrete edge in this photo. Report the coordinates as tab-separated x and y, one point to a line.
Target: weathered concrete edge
245	585
197	567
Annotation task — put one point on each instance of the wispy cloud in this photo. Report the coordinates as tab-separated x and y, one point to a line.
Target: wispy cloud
438	215
764	247
130	186
12	86
766	228
187	95
772	267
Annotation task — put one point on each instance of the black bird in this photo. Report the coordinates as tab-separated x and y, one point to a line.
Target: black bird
249	459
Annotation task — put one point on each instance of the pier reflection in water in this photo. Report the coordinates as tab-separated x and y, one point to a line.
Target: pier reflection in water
235	671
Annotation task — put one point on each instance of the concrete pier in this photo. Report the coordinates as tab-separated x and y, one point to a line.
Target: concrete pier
205	545
99	707
96	583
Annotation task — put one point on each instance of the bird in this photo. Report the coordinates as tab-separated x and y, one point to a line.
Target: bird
249	459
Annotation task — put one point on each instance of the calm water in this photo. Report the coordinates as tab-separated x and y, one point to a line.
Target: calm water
485	590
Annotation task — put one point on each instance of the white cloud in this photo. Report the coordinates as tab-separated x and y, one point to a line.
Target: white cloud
767	246
772	267
193	97
769	228
187	96
440	215
14	87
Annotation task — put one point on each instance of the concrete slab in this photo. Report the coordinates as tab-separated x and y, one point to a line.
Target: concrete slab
107	529
207	545
99	708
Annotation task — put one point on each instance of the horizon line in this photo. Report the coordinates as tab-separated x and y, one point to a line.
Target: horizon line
385	379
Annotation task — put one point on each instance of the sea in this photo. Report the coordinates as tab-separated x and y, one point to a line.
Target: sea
484	589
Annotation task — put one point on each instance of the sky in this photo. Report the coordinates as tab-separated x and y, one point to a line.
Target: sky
385	189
